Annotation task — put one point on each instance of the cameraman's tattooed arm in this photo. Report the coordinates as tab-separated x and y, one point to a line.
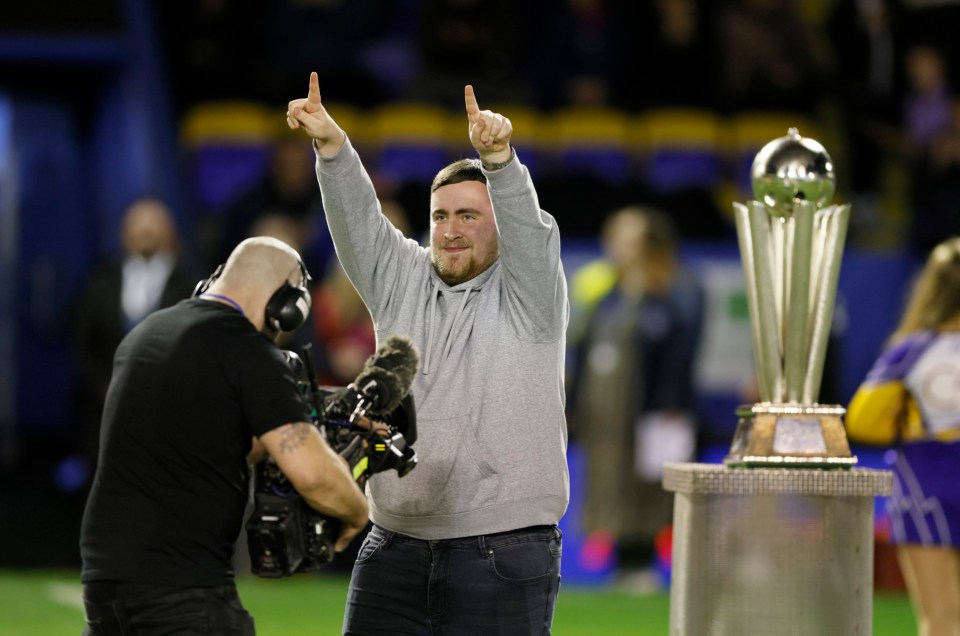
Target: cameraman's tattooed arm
321	476
293	436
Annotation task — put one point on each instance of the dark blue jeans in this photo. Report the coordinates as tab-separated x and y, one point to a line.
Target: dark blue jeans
503	583
136	609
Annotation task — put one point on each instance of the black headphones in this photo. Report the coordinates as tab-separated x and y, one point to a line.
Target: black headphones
288	307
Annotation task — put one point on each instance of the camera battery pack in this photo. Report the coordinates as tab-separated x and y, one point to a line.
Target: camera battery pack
274	532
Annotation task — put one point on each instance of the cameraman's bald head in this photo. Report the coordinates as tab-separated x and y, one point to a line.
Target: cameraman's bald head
256	268
262	261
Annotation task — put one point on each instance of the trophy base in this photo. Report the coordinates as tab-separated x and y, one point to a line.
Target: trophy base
790	436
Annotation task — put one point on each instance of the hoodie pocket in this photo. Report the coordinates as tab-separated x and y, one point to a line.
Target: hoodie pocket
453	474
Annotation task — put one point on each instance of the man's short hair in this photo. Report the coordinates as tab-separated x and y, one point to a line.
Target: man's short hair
458	172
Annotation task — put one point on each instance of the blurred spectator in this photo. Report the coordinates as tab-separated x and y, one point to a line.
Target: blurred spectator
150	274
471	42
929	126
928	99
933	22
674	60
772	59
578	54
289	190
869	83
344	328
632	398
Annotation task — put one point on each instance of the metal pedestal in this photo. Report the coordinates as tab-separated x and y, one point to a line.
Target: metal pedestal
772	551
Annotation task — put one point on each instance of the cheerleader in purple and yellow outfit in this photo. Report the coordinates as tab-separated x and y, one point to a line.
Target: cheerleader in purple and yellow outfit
911	400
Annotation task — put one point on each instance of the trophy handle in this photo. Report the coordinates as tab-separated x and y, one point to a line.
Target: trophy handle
835	219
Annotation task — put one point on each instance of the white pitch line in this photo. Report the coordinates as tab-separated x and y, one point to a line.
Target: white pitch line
69	594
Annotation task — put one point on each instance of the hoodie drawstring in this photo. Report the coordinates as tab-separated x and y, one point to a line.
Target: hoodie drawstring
431	329
453	324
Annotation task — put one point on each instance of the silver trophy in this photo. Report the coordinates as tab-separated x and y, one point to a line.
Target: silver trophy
791	243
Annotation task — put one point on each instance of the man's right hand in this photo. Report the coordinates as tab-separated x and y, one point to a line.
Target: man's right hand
310	115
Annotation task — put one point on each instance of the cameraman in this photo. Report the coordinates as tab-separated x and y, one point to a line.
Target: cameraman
468	543
197	391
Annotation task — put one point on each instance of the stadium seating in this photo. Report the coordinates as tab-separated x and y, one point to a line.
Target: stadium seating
227	147
680	149
410	140
591	141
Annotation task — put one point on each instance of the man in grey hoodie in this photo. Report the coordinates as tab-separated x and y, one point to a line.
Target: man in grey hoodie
468	542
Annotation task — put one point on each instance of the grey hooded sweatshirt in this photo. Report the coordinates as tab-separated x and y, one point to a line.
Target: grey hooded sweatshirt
489	393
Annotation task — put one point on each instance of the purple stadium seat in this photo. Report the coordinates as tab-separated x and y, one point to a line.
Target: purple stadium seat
681	149
228	147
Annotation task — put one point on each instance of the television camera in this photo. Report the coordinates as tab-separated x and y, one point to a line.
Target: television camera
284	534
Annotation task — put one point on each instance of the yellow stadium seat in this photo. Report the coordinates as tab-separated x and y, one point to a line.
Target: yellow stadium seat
592	140
681	149
410	139
227	147
240	122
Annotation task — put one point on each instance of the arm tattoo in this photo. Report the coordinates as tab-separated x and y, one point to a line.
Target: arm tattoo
293	436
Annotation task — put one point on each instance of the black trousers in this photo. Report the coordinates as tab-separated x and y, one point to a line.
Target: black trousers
138	609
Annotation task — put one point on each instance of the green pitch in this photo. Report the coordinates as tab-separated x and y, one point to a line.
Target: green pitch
44	603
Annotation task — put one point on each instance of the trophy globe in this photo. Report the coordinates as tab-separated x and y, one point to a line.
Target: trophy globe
791	169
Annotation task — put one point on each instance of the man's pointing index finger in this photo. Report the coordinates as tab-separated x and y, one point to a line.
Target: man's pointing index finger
313	94
473	110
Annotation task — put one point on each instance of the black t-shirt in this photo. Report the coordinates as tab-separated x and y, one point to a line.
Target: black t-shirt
191	385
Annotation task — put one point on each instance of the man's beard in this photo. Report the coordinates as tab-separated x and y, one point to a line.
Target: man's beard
445	273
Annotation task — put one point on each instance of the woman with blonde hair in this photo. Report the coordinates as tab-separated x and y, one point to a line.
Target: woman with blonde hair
911	400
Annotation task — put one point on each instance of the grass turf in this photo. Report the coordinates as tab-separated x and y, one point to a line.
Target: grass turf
47	603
